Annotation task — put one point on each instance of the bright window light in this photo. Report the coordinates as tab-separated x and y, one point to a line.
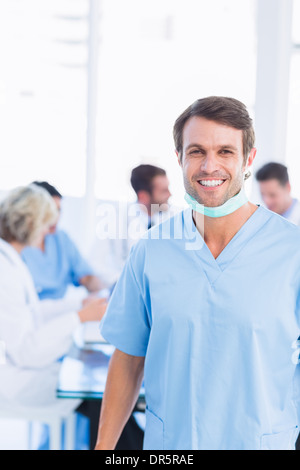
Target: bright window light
43	93
153	63
293	143
155	58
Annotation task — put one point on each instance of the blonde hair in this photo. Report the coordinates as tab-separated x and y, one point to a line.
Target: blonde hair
25	212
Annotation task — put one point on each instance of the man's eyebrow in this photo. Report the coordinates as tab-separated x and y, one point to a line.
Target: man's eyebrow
222	147
229	147
194	145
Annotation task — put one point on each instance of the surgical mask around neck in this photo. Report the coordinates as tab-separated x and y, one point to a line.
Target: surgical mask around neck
227	208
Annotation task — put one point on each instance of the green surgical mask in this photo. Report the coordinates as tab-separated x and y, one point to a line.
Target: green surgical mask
227	208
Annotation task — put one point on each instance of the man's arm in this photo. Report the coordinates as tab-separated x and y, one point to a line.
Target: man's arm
125	375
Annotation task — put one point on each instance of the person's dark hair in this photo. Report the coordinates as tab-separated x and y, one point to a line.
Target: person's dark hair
142	177
227	111
272	171
51	189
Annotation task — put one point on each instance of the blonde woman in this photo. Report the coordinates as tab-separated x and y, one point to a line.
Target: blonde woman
29	374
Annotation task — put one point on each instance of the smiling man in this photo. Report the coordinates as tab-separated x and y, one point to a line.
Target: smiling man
211	318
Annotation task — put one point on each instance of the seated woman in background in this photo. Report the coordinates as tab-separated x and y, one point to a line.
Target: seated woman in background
32	345
56	264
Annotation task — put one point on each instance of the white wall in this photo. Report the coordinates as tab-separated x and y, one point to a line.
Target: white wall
274	45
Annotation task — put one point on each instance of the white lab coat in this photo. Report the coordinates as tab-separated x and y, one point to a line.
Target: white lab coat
29	374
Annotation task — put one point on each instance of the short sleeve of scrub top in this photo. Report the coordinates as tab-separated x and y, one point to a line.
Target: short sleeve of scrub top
126	323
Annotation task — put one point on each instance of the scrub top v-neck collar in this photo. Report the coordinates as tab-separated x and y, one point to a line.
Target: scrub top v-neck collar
214	267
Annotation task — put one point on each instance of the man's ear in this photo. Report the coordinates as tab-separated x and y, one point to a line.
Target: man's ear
247	166
178	158
251	157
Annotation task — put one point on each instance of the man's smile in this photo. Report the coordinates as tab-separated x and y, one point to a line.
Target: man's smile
211	184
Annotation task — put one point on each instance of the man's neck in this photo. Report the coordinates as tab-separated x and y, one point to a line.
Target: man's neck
288	205
145	207
217	232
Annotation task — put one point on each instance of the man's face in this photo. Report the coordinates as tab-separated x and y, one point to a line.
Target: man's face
160	191
275	195
212	161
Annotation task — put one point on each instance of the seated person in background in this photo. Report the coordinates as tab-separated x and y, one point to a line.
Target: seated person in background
151	186
28	378
275	189
56	263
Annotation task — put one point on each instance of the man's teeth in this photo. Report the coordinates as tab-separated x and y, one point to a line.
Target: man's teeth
211	182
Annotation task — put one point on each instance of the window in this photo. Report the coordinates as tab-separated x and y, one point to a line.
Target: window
293	143
43	93
156	58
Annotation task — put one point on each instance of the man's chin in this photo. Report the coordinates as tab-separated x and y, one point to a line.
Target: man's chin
211	201
164	207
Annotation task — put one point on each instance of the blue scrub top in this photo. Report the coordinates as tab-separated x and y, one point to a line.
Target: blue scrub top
218	334
60	265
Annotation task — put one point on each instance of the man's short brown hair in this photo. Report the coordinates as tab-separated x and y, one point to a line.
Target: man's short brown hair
227	111
142	177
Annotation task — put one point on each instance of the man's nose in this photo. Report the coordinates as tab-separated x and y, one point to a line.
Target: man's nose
209	163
